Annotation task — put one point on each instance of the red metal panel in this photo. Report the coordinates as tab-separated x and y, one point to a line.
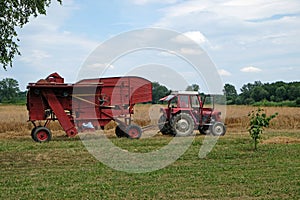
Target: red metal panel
35	106
140	90
60	113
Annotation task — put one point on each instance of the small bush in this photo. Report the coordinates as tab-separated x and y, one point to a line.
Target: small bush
258	121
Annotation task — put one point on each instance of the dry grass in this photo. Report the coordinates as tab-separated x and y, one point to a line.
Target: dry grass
281	140
14	122
13	119
288	117
146	114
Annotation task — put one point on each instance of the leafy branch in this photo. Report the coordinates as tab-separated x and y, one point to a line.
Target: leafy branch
13	14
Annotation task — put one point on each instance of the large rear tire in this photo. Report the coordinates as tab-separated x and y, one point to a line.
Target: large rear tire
182	124
164	127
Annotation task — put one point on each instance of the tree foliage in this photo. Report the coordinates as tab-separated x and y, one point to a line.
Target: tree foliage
158	92
193	87
9	90
13	14
258	121
263	92
231	93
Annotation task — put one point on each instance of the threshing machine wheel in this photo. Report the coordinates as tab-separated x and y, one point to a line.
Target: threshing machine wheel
133	131
41	134
182	124
218	129
32	133
164	127
120	131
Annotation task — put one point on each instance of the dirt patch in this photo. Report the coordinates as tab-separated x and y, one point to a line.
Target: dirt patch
281	140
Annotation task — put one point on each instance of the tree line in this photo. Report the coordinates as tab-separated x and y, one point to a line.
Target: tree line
278	93
266	94
10	92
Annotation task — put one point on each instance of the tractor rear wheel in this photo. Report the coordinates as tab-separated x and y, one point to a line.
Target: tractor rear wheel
164	127
133	132
182	124
120	131
41	134
218	129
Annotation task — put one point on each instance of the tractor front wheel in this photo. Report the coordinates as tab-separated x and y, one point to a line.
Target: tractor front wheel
183	124
41	134
218	129
133	132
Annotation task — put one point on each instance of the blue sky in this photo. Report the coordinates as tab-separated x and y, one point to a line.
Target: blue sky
247	40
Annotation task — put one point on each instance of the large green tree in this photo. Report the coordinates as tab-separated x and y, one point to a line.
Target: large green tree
230	92
15	14
158	92
193	87
9	90
280	93
258	93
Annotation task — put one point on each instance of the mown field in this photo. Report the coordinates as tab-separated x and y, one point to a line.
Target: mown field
64	169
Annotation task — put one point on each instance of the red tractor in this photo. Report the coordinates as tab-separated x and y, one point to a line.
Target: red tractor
186	113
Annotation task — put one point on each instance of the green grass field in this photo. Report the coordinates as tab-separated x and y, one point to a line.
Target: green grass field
63	169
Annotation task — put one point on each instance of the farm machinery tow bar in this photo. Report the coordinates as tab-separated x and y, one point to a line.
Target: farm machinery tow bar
87	104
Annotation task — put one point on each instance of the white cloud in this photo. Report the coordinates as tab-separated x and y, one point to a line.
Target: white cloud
191	51
223	72
35	57
100	66
49	44
144	2
233	32
257	9
196	36
250	69
238	32
185	8
191	37
167	53
45	43
244	10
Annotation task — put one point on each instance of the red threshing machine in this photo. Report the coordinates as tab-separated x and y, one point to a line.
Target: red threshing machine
86	105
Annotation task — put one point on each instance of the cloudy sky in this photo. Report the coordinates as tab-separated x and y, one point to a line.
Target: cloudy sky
246	40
